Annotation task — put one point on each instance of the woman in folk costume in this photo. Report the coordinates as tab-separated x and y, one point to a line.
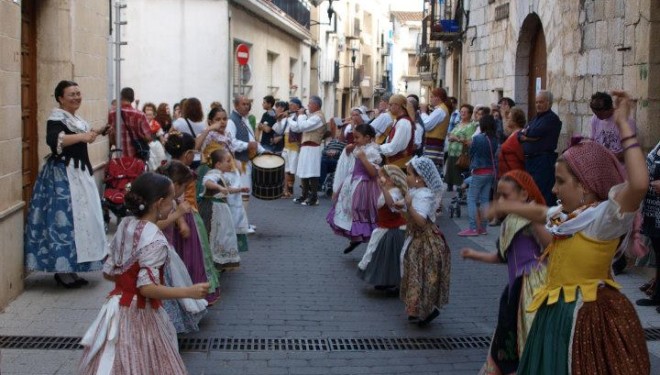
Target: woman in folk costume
64	230
520	245
190	238
222	236
185	314
381	265
133	334
426	261
583	324
354	212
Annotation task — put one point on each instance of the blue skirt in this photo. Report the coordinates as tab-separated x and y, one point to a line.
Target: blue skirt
49	240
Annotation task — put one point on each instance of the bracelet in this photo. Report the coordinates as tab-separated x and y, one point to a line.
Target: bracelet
628	137
636	144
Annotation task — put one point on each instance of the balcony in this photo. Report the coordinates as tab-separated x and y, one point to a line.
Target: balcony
443	19
295	9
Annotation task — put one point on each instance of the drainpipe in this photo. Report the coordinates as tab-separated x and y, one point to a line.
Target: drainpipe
230	57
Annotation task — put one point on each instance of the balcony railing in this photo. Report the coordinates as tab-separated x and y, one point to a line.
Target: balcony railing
296	9
443	19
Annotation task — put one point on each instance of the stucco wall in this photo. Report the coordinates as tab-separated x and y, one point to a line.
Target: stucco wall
591	46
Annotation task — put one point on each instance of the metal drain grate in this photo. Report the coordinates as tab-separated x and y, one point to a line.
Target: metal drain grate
652	334
284	344
40	342
193	344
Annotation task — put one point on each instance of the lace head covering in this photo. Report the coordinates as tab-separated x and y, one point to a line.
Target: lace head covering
428	172
595	167
525	181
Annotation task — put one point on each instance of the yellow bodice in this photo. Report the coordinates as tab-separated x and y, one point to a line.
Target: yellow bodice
576	261
440	130
293	146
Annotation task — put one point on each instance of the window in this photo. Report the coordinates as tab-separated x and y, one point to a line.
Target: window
270	66
412	65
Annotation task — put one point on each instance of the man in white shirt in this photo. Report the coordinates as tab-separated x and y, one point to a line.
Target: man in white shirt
243	142
383	122
400	144
313	127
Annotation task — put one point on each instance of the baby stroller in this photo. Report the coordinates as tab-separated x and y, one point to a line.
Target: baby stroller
461	198
119	173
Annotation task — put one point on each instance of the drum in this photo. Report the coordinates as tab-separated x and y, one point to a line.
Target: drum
267	176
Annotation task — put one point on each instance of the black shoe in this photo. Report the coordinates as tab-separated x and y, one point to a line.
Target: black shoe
429	318
351	247
413	319
67	285
80	281
648	302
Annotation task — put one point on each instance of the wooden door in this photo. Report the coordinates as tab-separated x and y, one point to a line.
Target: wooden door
30	133
537	69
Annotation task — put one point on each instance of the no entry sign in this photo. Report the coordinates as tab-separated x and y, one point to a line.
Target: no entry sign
242	54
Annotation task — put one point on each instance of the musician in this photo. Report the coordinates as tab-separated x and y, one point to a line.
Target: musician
436	125
243	142
313	128
383	122
400	144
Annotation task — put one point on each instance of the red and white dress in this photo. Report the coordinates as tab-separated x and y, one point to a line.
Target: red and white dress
133	334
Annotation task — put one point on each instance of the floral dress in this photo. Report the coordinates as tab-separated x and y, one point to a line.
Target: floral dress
426	261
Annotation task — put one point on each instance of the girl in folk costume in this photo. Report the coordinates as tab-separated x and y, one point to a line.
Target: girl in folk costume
381	265
213	137
583	324
133	334
425	257
354	211
185	314
223	238
519	246
400	145
191	239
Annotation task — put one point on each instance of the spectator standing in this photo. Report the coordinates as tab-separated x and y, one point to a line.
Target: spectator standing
511	156
164	117
603	125
539	141
458	139
132	118
265	126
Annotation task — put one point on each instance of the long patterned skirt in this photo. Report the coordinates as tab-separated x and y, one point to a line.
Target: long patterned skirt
599	337
426	270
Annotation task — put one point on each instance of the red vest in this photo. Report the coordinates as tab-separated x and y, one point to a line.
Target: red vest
407	153
388	219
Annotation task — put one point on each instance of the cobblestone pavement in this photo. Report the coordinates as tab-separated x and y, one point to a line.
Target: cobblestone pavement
295	283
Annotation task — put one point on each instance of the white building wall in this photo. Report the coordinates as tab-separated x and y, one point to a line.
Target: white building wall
177	49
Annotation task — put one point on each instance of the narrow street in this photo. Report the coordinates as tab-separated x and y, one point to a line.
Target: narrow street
296	306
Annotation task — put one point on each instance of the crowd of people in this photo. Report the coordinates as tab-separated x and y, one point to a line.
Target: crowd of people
386	171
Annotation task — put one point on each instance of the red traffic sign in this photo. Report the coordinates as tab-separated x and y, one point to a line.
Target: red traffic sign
242	54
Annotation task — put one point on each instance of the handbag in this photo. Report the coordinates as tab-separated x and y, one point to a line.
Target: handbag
463	161
142	150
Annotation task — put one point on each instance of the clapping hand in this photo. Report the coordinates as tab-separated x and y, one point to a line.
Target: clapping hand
622	107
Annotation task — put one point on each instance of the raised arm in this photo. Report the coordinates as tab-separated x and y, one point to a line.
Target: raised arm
632	194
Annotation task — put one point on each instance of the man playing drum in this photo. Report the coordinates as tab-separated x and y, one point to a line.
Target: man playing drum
313	127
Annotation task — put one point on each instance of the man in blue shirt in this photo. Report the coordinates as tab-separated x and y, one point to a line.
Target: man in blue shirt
539	141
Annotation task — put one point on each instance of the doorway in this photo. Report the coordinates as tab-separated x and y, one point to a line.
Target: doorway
30	133
531	64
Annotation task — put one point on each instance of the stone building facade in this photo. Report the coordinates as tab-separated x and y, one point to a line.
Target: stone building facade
572	48
41	43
